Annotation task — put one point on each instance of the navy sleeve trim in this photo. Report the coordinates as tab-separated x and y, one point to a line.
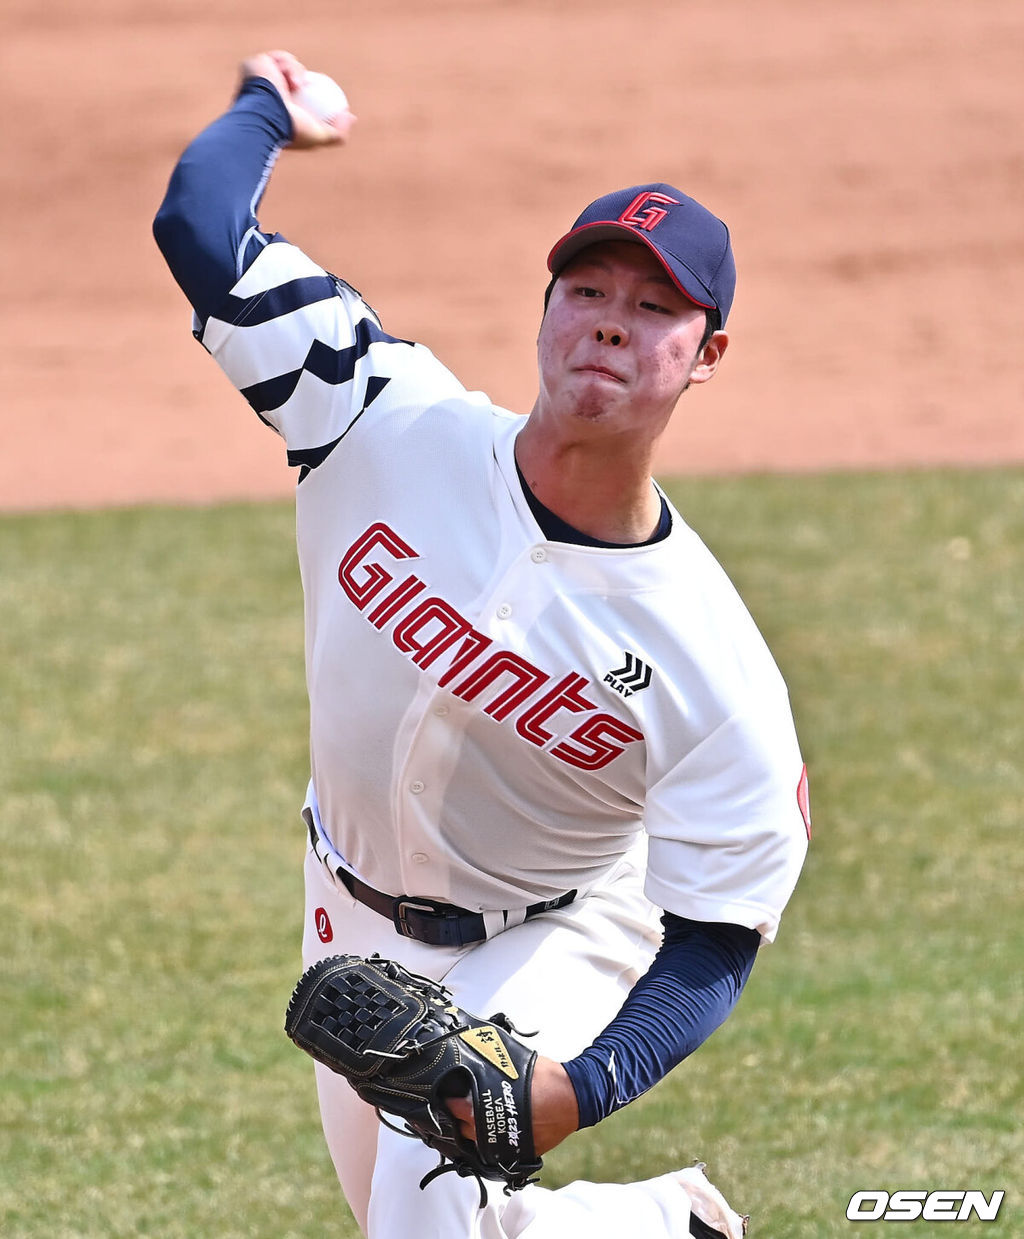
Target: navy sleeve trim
310	458
206	226
330	365
264	306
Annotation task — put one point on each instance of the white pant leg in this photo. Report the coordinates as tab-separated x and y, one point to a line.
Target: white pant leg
351	1127
564	974
656	1209
449	1206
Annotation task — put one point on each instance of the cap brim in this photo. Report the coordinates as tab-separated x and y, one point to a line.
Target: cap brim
574	242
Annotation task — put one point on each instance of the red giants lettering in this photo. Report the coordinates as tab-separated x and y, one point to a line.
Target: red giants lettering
526	679
565	695
449	628
364	591
428	628
595	742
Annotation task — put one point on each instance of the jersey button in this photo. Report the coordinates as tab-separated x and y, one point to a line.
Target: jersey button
420	858
538	555
441	711
504	611
416	786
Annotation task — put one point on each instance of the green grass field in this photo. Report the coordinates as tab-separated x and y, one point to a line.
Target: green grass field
153	762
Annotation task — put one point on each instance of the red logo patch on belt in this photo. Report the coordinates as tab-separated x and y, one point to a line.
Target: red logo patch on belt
323	925
803	799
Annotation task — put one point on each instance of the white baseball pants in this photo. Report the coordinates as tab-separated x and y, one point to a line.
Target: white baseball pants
564	973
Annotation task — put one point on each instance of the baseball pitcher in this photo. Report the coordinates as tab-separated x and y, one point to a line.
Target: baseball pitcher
556	801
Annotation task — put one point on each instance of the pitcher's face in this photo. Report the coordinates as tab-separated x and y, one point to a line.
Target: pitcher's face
619	342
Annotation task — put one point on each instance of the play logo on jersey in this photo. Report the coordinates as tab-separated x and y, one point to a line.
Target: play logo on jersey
631	677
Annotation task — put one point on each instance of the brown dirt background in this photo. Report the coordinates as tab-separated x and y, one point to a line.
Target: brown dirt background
867	157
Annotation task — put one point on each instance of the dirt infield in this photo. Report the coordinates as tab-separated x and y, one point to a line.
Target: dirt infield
867	157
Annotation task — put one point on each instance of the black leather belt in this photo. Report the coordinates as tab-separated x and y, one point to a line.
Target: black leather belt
427	920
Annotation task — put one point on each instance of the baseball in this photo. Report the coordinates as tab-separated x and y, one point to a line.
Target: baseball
322	96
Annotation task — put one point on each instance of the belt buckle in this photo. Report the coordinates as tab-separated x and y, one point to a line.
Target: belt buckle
403	906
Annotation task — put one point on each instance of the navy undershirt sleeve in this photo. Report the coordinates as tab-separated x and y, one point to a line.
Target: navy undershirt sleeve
206	227
691	987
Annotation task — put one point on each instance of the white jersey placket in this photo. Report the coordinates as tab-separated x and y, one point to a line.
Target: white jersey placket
429	741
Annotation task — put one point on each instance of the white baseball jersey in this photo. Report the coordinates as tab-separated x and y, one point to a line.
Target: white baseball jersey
495	717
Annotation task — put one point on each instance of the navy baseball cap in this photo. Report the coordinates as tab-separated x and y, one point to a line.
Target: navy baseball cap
692	244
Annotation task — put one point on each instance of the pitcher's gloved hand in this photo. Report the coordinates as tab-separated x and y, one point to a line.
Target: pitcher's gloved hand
406	1048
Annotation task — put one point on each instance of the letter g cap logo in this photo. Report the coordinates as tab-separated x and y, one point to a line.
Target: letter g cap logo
647	210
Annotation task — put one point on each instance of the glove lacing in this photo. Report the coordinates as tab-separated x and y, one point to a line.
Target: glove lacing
401	1052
